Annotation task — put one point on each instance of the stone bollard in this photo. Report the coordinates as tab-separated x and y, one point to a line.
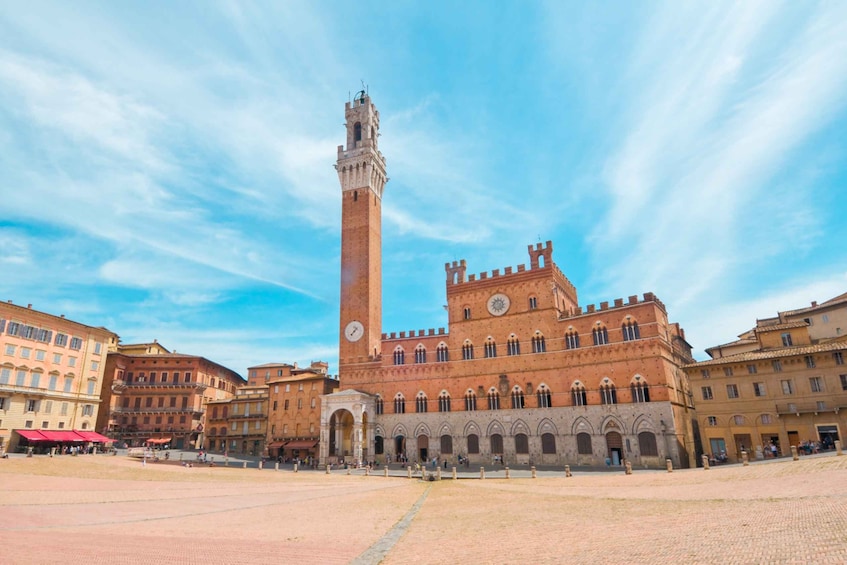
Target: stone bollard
261	465
568	471
327	469
534	473
438	473
455	476
508	475
794	455
409	471
705	462
745	460
367	470
628	469
296	467
669	465
226	460
482	472
349	470
838	447
245	464
180	455
385	470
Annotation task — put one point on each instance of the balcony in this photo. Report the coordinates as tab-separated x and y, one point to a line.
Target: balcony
250	416
153	410
810	407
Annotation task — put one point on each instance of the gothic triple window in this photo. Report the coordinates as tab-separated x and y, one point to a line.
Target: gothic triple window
630	331
518	400
399	356
578	395
420	403
513	346
399	404
490	348
640	391
420	354
600	335
441	353
544	397
444	402
572	340
538	344
608	393
467	350
493	399
470	401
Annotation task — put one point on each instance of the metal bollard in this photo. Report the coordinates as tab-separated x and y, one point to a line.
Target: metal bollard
705	462
745	460
534	474
794	454
669	465
482	472
568	471
628	469
838	447
455	476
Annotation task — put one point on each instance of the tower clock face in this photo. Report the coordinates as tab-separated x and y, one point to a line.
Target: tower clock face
354	331
498	304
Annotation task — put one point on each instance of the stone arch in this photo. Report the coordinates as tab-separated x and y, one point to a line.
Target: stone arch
519	427
379	430
612	424
582	425
445	429
495	427
546	426
399	430
643	423
471	428
422	430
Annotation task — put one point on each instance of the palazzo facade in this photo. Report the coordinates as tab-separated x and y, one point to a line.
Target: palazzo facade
525	374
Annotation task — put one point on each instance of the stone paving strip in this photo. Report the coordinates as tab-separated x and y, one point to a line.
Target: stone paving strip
114	511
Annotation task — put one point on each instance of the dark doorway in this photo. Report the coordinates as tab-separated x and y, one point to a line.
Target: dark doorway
423	448
614	442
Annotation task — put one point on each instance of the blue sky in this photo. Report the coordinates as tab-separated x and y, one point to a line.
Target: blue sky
167	167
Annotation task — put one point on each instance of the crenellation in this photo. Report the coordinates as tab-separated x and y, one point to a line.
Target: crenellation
521	268
508	271
633	299
483	275
604	305
618	302
591	309
495	273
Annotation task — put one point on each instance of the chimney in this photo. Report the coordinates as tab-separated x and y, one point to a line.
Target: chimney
814	303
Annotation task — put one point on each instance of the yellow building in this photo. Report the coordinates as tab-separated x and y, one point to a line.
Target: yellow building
51	375
780	384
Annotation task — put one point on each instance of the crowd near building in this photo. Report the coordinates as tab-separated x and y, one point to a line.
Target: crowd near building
522	374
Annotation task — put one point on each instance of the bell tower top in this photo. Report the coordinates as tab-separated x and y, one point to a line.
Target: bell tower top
360	165
362	123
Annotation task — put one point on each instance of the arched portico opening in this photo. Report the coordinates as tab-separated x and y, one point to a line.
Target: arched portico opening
341	434
614	444
423	448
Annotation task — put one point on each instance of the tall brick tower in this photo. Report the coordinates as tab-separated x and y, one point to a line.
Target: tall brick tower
361	172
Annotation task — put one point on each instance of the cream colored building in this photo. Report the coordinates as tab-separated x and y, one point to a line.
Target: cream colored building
51	375
782	383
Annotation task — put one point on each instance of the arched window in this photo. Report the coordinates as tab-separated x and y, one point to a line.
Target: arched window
513	346
473	443
470	401
583	444
630	331
222	431
441	353
399	356
538	344
544	397
600	335
357	131
548	444
399	404
608	393
572	339
467	350
533	302
497	444
467	313
647	444
518	400
521	444
493	399
444	402
446	445
490	348
578	394
380	405
640	390
213	432
420	354
420	403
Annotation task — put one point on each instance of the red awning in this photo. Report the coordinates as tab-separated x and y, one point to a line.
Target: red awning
276	444
62	435
158	440
303	444
32	435
93	436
